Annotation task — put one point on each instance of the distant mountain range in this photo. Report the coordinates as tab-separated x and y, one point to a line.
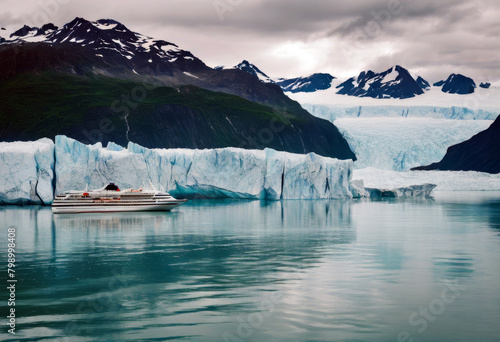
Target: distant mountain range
307	84
396	82
479	153
100	81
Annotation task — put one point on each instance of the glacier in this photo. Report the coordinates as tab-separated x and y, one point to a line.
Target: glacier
31	170
27	172
403	143
483	104
225	172
333	112
398	134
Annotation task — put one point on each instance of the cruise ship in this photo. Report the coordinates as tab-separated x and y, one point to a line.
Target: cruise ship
111	199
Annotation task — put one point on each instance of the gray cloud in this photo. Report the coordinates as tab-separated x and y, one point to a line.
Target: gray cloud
293	37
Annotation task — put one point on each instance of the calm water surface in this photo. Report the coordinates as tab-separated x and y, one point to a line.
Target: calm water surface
427	270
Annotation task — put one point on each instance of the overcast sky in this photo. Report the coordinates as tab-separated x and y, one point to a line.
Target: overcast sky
286	38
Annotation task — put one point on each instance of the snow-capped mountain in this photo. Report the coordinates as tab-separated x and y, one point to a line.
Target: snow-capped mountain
253	70
107	39
457	84
151	91
308	84
33	34
249	68
395	82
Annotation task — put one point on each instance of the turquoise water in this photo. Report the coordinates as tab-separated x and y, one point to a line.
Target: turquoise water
390	270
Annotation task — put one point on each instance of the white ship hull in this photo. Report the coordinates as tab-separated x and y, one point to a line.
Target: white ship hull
70	209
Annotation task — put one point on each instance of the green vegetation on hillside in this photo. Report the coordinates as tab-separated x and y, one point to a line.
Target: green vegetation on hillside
98	108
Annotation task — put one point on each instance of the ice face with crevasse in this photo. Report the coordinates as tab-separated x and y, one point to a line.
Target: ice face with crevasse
26	171
400	144
29	170
225	172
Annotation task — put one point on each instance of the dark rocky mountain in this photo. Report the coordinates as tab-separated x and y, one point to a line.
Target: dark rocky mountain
479	153
486	85
457	84
395	83
253	70
423	83
309	84
26	31
85	77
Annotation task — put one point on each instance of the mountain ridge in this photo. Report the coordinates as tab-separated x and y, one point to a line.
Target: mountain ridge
395	82
93	58
480	153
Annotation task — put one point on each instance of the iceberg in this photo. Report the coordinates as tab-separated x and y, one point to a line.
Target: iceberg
210	173
26	172
358	190
423	190
403	143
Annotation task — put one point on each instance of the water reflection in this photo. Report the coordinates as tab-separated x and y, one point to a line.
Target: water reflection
354	270
466	206
206	257
457	266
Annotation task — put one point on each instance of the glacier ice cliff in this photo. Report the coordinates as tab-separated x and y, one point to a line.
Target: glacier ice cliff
26	172
29	171
225	172
403	143
332	112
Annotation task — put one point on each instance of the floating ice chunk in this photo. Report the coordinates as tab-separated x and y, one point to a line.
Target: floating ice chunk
358	189
445	180
423	190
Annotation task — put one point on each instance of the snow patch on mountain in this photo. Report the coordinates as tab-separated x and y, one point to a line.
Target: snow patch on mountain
252	69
